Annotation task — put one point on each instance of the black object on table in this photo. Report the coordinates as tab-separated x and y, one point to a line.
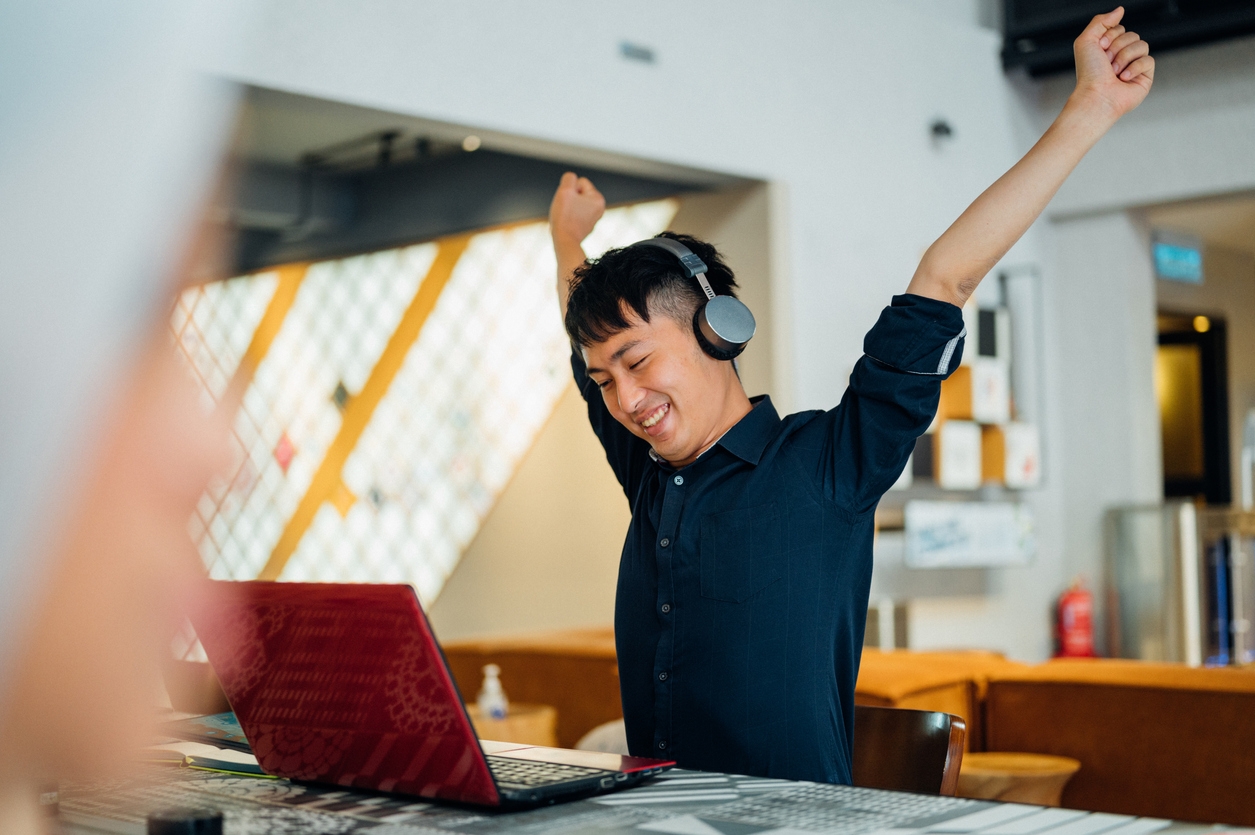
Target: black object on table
185	821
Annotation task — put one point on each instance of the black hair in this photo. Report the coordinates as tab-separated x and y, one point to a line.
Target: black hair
642	279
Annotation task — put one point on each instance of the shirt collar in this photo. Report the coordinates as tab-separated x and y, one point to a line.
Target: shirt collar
748	438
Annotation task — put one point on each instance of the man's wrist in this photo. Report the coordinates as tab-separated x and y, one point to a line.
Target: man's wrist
568	246
563	238
1091	108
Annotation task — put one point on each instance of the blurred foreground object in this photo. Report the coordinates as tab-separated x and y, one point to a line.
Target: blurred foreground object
110	138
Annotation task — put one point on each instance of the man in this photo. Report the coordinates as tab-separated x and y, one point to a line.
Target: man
743	583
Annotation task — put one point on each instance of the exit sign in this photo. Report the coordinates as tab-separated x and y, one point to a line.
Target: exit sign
1178	258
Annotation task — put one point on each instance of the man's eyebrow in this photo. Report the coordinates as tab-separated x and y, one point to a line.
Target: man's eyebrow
623	349
615	357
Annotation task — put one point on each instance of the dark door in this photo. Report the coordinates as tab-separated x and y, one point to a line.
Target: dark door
1191	382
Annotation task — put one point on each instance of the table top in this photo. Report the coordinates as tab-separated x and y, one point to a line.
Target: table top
678	802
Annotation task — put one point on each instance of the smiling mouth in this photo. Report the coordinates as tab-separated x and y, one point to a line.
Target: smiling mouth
657	415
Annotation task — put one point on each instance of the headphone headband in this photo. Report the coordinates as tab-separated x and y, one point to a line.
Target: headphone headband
694	267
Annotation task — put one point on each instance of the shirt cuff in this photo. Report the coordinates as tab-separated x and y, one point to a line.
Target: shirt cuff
917	335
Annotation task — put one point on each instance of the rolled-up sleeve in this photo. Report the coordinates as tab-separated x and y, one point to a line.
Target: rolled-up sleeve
917	335
891	400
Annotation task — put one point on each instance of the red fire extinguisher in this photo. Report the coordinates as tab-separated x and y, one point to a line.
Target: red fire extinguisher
1074	628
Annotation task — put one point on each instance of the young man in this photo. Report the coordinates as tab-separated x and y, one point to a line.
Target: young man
743	583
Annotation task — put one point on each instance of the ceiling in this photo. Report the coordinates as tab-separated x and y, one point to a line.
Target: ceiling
322	179
1227	222
279	128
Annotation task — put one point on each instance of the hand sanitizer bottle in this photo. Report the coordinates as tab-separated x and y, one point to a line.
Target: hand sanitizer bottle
492	701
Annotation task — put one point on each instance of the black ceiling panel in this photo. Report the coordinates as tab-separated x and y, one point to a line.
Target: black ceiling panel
1038	34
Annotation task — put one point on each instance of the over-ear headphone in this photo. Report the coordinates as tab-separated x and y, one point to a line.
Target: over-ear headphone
723	325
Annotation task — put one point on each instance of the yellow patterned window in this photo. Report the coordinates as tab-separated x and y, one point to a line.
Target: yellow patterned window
388	399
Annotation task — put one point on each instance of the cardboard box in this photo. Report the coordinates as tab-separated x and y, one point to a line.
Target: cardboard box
1023	456
979	391
991	391
1011	455
957	455
993	455
956	396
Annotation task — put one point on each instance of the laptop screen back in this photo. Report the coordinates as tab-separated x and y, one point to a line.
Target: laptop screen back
343	684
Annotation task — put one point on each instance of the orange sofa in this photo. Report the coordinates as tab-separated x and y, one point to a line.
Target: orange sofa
1161	740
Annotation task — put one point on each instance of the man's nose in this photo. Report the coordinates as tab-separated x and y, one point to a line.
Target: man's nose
630	395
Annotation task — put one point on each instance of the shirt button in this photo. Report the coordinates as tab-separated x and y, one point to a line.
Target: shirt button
662	676
679	480
662	745
666	607
665	542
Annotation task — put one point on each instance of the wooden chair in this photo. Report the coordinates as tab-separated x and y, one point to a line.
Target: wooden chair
907	750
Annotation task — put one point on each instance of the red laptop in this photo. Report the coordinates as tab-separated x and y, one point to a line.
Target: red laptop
346	684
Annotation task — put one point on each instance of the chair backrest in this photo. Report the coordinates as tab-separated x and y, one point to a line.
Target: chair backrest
907	750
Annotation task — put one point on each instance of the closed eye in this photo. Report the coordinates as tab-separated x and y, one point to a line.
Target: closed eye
636	364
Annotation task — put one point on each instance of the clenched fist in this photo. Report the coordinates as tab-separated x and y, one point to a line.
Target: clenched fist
577	206
1113	67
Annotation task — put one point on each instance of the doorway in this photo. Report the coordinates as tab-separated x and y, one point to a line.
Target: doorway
1191	385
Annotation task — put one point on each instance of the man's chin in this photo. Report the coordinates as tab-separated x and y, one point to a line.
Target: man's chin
671	453
662	450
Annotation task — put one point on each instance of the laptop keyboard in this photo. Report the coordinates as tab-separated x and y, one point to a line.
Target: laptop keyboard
511	772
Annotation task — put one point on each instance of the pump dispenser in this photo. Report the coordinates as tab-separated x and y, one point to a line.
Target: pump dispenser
492	701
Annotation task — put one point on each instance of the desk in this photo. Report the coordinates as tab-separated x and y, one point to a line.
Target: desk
680	802
526	724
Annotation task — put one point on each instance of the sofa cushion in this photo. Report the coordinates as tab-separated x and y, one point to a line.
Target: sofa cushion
950	682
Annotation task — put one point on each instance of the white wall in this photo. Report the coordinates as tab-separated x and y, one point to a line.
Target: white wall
547	556
831	103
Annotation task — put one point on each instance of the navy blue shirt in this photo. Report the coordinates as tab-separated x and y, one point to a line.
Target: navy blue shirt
742	593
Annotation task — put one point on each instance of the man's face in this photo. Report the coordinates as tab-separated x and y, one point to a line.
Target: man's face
658	383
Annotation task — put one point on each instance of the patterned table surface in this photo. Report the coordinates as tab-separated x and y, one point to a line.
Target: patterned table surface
678	802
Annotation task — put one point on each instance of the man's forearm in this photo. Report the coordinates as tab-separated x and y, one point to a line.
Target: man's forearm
570	255
577	206
955	264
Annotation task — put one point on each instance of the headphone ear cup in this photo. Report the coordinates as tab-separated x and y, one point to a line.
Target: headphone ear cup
707	346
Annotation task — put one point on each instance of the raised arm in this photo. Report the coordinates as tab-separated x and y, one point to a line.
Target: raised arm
577	206
1114	71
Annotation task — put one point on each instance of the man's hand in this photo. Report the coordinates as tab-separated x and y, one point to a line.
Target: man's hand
1113	67
577	206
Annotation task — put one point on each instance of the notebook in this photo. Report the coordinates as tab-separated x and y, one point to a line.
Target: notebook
345	684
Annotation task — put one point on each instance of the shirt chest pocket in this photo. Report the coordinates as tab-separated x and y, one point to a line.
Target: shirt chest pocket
741	552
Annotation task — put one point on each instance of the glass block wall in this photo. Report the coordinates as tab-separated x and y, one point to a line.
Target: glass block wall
380	420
